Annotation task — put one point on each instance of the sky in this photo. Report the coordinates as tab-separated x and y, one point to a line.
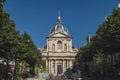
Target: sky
38	17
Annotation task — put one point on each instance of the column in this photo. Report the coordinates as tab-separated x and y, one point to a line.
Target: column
49	66
63	66
55	66
67	64
46	64
70	63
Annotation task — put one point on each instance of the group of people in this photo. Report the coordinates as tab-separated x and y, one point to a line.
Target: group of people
51	77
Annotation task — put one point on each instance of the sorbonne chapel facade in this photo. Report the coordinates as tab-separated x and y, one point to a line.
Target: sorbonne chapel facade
58	53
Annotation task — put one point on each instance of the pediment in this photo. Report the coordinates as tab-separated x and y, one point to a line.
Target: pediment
59	35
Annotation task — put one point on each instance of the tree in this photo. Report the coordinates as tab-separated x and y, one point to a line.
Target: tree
16	47
32	54
86	52
107	38
10	39
108	34
98	60
105	42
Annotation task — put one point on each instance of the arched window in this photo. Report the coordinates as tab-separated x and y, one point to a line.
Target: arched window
59	43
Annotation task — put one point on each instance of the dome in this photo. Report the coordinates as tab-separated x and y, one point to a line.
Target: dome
59	27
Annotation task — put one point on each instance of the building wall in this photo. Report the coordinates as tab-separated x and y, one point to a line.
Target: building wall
65	41
59	53
55	56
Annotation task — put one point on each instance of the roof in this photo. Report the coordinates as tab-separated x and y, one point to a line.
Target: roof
59	27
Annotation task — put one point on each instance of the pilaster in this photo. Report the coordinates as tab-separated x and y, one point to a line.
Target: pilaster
63	66
49	66
55	67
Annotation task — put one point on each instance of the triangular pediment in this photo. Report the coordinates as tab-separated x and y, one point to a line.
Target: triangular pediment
59	34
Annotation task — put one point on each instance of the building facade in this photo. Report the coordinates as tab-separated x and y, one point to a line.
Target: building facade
58	53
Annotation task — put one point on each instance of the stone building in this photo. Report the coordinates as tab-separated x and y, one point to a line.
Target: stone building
59	54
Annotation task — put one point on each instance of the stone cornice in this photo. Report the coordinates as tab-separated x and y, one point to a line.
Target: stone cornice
66	36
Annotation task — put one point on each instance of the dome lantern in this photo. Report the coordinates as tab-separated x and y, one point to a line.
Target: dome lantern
59	19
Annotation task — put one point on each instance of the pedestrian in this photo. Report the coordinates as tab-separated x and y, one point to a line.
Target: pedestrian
51	76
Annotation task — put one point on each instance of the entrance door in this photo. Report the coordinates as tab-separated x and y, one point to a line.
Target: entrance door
59	69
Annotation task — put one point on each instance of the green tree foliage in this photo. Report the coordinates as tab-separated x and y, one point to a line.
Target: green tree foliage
107	38
105	42
10	39
9	36
108	35
98	58
32	55
16	47
85	54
